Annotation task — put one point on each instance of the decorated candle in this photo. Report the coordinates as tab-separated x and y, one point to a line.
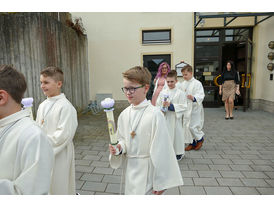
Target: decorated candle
164	109
108	105
27	105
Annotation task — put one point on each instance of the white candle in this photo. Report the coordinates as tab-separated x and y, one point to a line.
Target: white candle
27	102
108	105
164	109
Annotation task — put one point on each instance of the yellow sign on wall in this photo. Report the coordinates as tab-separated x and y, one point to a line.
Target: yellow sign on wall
206	73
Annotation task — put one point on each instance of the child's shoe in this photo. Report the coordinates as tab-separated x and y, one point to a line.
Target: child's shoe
189	147
199	144
179	157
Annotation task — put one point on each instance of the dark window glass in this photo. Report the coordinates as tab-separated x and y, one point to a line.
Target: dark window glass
236	34
156	36
207	39
152	62
208	66
207	51
207	33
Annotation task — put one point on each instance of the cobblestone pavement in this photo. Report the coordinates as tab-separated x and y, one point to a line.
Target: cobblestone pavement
237	156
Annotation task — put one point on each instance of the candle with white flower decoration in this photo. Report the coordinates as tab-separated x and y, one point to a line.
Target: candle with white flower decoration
164	109
27	105
108	105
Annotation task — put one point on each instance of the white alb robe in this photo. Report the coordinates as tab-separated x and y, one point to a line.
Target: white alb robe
194	116
149	159
60	124
26	156
174	118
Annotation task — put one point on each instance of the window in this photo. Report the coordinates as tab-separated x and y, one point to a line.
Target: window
207	36
156	36
152	62
207	51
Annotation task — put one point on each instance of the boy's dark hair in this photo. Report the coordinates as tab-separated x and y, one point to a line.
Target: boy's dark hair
187	68
54	72
138	74
172	73
13	82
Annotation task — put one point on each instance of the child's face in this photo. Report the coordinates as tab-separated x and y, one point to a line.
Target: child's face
171	82
50	86
137	95
187	75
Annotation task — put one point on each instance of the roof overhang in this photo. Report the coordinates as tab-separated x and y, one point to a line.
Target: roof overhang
199	17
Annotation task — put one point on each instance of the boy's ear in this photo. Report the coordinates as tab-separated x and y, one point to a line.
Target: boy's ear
146	88
3	97
59	84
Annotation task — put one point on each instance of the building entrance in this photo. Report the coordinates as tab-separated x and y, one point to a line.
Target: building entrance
213	48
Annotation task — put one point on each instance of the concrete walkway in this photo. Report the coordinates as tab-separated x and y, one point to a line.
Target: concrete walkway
237	157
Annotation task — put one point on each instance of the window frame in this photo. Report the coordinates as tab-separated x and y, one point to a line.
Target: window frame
156	42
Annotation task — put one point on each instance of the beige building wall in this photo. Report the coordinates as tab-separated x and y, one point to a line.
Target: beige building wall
263	87
262	93
114	44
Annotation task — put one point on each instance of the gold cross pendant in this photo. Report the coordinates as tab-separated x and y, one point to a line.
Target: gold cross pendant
132	134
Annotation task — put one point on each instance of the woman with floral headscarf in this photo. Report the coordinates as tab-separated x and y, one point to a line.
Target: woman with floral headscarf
160	81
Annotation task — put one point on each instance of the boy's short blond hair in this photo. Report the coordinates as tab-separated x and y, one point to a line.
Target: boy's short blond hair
54	72
172	74
138	74
187	68
13	82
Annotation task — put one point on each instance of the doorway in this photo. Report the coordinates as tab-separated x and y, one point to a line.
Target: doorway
212	48
240	53
235	52
152	62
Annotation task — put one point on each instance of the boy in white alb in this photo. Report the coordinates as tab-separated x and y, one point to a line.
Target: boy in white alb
145	146
194	116
176	104
58	118
26	156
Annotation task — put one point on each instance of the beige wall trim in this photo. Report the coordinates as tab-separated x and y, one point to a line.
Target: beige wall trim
261	104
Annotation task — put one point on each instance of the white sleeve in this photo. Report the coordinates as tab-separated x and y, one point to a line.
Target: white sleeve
66	129
181	105
36	163
199	93
166	169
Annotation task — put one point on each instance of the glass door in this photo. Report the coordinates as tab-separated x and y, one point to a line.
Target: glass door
246	78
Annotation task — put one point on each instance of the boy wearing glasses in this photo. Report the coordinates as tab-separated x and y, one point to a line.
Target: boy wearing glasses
176	105
146	150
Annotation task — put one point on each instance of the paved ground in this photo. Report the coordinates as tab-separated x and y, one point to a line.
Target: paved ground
237	156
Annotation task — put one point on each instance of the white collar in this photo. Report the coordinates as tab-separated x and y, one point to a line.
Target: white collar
14	117
60	96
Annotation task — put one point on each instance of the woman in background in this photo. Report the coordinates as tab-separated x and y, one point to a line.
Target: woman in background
160	81
228	87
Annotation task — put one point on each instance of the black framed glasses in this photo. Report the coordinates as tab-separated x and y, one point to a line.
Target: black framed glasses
131	90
